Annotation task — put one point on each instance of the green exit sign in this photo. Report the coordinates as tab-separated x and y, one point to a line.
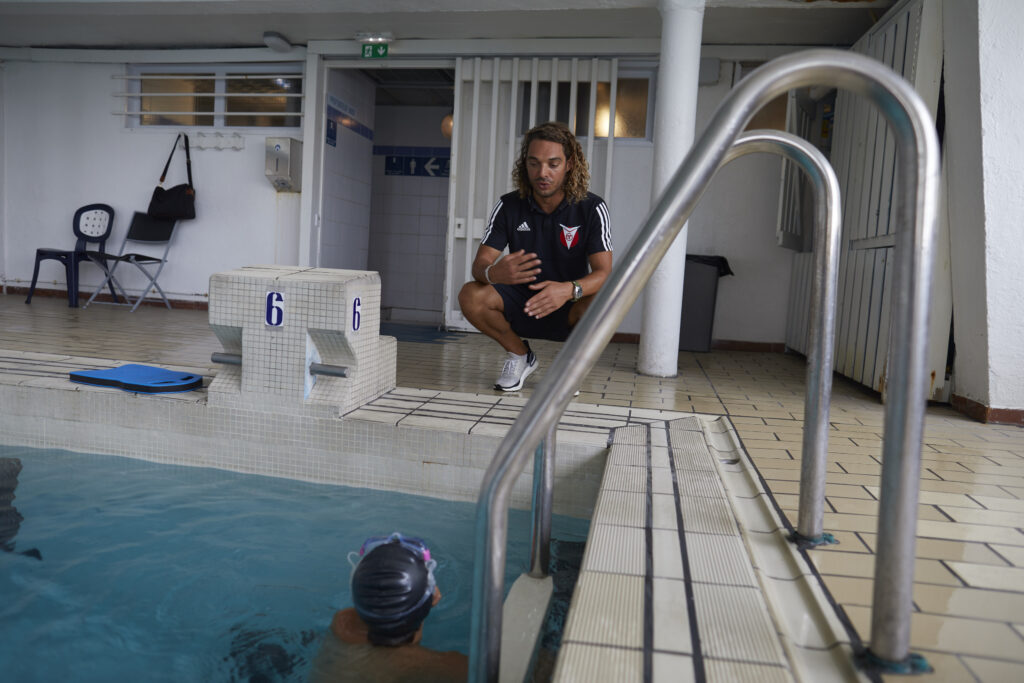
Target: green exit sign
375	50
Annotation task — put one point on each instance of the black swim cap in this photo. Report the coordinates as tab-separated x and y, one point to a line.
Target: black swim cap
392	589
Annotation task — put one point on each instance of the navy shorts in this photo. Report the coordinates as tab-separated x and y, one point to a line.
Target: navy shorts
554	326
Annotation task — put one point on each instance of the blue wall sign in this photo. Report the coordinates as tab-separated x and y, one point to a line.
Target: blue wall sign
332	127
357	317
431	167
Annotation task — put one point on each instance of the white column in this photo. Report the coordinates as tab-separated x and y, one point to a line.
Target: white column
4	266
983	149
674	123
965	194
999	68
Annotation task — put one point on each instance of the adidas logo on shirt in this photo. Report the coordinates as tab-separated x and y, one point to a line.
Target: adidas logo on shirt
523	227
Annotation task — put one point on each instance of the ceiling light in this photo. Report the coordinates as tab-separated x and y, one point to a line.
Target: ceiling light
276	42
378	37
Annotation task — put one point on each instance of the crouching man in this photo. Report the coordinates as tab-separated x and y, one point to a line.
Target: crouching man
560	253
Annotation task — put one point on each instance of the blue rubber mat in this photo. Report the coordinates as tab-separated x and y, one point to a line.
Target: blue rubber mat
144	379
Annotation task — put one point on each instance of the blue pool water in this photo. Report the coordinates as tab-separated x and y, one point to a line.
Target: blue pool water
125	570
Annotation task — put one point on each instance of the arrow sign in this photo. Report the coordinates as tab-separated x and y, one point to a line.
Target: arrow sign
432	167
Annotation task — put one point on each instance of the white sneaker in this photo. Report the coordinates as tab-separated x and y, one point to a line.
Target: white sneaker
516	369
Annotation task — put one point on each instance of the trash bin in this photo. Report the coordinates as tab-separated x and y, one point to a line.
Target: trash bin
700	288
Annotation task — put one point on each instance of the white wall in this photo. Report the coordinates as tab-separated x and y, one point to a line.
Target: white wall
962	146
3	186
63	149
409	217
347	173
984	47
1001	41
286	235
736	219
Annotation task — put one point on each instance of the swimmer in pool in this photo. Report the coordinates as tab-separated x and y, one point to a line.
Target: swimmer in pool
10	518
393	590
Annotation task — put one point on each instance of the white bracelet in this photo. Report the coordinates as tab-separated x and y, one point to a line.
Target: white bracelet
487	275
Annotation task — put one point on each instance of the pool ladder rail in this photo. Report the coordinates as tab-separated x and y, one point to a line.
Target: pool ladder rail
525	606
916	212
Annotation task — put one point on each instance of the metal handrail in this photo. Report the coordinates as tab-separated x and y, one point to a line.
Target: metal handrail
542	506
828	219
827	223
916	213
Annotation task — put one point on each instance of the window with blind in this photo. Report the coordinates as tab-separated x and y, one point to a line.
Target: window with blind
225	96
632	106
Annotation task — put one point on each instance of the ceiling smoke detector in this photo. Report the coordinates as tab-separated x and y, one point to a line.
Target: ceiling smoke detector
276	42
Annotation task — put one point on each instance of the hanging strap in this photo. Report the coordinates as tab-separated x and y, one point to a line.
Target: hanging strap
188	159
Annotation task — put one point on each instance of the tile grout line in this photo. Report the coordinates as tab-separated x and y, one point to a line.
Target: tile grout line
648	651
699	671
967	668
855	641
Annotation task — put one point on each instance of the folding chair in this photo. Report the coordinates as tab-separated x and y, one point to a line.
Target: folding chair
92	225
146	230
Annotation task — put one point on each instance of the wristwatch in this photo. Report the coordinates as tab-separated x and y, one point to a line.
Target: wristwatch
577	291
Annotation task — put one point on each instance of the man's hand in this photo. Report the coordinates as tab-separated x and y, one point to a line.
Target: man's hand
517	268
550	297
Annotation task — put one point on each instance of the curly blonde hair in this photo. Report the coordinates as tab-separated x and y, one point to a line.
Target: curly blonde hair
577	178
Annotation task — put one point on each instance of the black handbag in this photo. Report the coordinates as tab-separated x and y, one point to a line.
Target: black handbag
178	202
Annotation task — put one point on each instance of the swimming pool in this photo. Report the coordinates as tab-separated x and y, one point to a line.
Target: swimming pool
122	569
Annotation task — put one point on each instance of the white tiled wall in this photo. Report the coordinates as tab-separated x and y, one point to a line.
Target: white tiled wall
408	219
344	237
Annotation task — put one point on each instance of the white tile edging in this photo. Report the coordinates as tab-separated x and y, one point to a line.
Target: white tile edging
183	429
809	634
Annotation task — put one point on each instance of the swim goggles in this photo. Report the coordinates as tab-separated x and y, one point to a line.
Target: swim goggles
417	547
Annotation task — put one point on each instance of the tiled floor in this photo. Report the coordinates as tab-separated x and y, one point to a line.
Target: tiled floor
969	591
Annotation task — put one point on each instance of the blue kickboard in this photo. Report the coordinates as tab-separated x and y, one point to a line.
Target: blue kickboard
144	379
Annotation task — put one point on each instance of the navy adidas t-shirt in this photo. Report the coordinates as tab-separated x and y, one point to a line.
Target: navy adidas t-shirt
562	239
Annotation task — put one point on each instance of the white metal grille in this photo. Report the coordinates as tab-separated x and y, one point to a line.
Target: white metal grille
908	39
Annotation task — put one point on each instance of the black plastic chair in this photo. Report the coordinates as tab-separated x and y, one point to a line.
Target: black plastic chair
143	229
92	225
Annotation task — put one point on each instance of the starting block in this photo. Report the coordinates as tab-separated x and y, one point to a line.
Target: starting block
299	340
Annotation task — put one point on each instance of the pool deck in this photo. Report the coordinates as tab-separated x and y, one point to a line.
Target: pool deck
969	584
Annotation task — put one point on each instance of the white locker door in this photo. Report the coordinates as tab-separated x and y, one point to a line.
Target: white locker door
907	39
791	228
